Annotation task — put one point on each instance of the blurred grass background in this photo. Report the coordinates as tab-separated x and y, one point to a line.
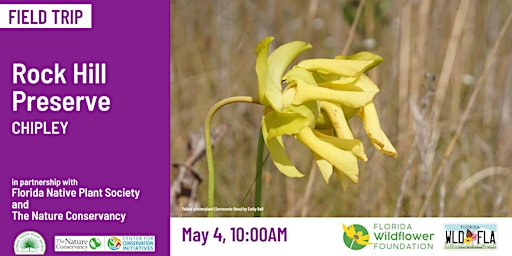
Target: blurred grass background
434	52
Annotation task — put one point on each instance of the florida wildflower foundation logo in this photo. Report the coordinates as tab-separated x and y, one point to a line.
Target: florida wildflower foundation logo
312	103
401	236
388	237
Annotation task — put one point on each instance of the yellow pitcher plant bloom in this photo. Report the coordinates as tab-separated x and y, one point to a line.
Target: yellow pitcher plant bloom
318	98
312	102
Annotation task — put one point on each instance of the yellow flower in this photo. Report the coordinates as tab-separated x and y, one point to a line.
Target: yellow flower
351	89
270	70
468	240
320	95
357	237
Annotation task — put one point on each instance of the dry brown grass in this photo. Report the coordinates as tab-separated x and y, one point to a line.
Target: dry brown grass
212	57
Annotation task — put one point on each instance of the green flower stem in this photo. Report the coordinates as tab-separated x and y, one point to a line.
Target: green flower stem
208	142
259	169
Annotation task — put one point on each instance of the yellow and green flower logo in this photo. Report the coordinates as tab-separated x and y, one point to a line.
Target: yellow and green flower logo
355	236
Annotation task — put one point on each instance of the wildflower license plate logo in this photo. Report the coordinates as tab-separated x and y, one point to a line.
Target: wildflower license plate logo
470	236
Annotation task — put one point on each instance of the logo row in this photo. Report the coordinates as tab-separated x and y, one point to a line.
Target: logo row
32	243
403	236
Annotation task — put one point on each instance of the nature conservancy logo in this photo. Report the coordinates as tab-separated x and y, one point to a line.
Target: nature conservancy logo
72	243
29	243
94	243
470	236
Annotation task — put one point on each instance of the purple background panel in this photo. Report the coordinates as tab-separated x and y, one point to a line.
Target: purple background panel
127	146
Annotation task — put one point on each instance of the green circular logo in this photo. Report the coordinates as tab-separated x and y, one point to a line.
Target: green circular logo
355	236
94	243
29	243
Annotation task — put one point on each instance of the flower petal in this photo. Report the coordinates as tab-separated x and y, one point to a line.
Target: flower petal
281	123
363	239
341	159
292	120
372	127
366	84
297	73
368	56
278	62
343	67
352	145
324	167
349	112
283	56
338	120
342	179
353	99
345	80
363	83
350	231
262	67
277	151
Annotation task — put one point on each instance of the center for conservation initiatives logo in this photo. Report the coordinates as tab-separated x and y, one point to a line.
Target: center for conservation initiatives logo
96	243
387	236
470	236
114	243
29	243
